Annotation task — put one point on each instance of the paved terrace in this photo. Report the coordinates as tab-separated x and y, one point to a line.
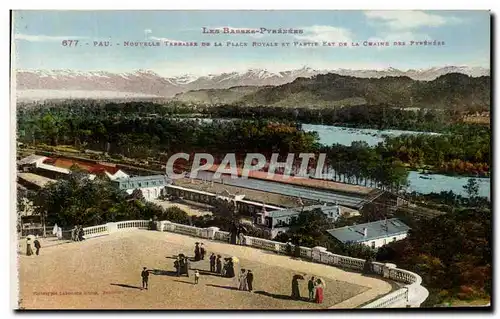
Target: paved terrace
106	272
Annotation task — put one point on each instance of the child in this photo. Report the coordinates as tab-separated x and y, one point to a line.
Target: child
196	276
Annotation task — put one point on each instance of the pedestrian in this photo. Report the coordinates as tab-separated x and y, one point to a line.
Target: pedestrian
250	280
81	233
319	291
197	252
29	251
310	287
242	239
219	265
37	246
73	234
177	266
145	278
77	232
202	251
212	262
295	288
186	266
243	281
196	277
289	248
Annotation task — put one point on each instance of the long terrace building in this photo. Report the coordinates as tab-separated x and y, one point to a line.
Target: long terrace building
320	192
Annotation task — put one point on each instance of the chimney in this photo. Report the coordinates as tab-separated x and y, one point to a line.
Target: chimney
365	232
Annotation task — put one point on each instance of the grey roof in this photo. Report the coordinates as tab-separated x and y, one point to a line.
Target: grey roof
354	234
30	159
296	211
37	180
141	181
327	196
283	213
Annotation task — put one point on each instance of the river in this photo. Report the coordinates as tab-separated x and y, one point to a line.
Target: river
329	135
436	183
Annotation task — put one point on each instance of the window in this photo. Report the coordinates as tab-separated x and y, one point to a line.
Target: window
373	244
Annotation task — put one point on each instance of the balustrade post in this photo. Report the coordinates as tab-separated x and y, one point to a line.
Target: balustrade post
316	253
167	226
387	270
277	247
112	227
335	260
212	231
248	241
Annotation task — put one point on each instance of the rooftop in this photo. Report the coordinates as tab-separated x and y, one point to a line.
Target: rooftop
295	211
319	195
34	179
377	229
95	168
53	168
33	158
307	182
142	178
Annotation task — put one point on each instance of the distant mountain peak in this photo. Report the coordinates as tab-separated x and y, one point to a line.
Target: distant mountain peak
149	82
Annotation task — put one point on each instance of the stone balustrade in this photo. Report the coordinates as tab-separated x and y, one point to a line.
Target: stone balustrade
411	295
142	224
95	231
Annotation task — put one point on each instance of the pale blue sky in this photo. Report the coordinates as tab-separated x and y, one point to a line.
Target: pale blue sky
38	36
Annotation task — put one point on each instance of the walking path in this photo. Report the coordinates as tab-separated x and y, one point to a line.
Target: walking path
104	273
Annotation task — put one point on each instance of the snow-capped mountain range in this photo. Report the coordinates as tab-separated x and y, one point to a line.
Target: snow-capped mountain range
142	83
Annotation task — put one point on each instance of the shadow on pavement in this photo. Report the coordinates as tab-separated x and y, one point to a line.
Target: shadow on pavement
206	272
225	287
127	286
283	297
186	282
161	272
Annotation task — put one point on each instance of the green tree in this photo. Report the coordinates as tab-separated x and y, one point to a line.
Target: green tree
471	188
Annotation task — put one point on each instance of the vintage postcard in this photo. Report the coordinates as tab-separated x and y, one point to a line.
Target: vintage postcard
238	160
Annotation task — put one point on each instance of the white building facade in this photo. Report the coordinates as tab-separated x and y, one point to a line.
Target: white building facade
374	234
151	186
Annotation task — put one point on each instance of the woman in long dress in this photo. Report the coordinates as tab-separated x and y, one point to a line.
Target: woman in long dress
218	264
243	281
319	291
29	251
295	288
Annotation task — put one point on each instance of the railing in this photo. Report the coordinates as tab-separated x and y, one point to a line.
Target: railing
413	294
133	224
94	231
266	244
306	252
396	299
222	236
188	230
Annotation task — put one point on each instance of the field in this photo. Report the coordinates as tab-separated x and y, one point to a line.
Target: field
104	273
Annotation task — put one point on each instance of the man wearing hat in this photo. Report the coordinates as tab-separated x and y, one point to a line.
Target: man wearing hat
145	278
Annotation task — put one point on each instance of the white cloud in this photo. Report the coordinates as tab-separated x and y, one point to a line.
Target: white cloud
319	33
44	38
399	20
